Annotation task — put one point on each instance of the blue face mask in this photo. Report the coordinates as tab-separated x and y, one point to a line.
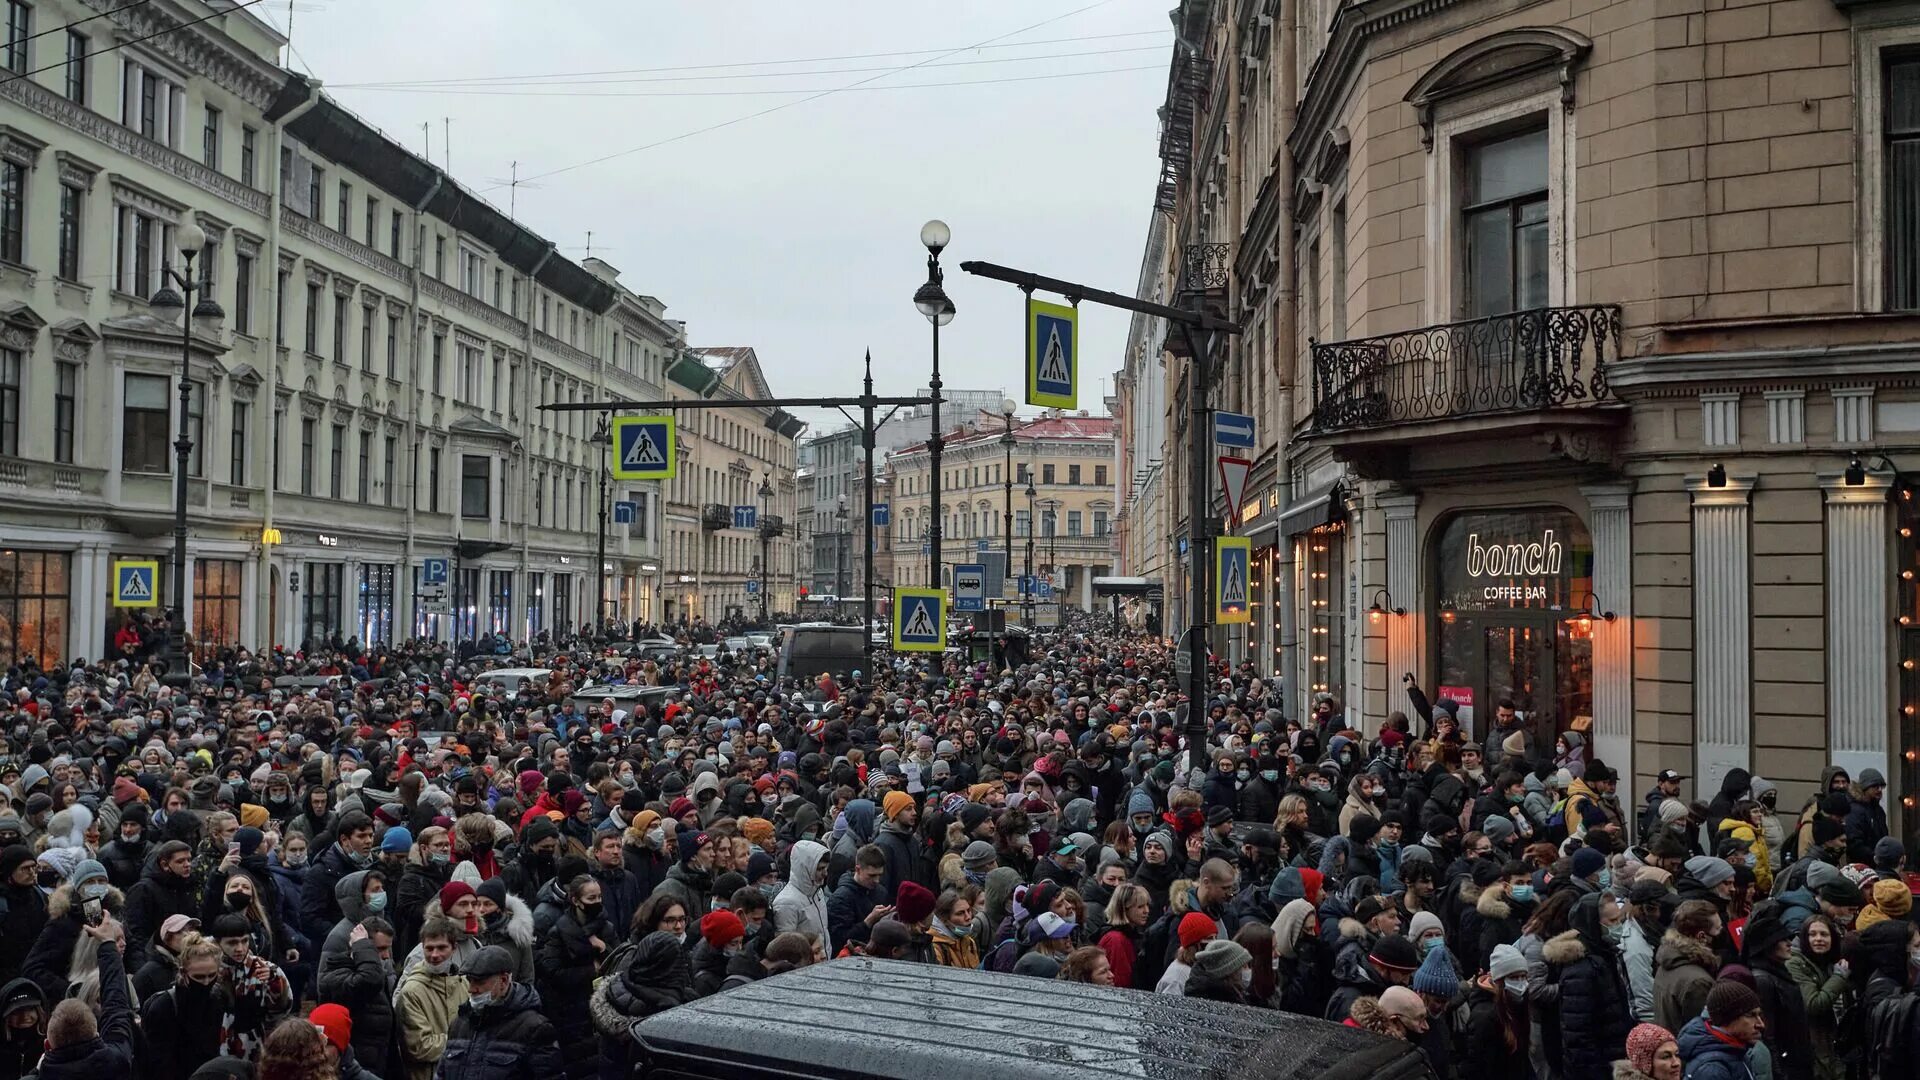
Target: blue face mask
1523	893
1606	878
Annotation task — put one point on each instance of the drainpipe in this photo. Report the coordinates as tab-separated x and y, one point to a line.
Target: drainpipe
1286	314
403	580
264	592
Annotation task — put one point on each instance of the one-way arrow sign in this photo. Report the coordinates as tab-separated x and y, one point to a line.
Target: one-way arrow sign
1233	482
1233	429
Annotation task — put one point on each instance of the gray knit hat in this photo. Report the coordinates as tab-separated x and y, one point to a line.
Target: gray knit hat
978	856
1708	870
1219	958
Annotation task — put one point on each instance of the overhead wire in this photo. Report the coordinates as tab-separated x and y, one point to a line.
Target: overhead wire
762	93
14	76
80	22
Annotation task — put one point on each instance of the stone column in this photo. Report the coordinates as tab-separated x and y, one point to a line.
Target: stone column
1722	628
1609	520
1403	590
1859	638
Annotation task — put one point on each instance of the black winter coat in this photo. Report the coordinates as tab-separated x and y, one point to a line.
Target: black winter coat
1483	1047
362	982
108	1055
52	956
653	982
508	1040
1788	1036
125	862
183	1030
419	886
1595	1006
318	908
152	899
567	966
23	914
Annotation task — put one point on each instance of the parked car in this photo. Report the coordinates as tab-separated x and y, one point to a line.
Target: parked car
814	649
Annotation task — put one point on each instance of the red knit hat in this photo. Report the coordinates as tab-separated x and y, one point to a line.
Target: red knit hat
721	928
913	903
334	1022
450	894
1311	880
1643	1042
1195	928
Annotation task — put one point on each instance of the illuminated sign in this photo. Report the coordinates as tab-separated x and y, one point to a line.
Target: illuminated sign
1524	559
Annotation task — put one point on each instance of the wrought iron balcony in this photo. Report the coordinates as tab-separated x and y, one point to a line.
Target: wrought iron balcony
772	525
1544	358
716	516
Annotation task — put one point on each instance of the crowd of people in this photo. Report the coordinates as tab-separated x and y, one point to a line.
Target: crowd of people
407	871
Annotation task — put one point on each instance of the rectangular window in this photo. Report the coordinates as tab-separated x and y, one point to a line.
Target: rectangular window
210	139
66	410
340	328
366	338
321	593
313	317
1073	474
237	446
393	346
1099	476
143	424
476	486
373	219
77	80
1099	523
393	236
376	603
316	187
309	435
433	480
243	293
499	278
1022	522
249	152
440	258
336	462
280	309
11	360
1046	474
439	360
343	206
1505	224
150	91
197	428
217	596
72	201
500	601
34	591
19	34
365	473
1902	112
1073	523
387	464
13	211
1326	620
279	441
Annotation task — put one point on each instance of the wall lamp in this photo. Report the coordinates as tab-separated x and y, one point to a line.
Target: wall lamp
1378	609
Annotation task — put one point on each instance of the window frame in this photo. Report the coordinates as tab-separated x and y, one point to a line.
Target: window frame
249	155
154	462
1876	49
16	52
476	487
72	225
66	410
237	443
79	84
210	136
13	212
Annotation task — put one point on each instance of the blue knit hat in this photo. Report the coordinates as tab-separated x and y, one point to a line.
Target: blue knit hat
1139	803
1436	975
1587	862
396	839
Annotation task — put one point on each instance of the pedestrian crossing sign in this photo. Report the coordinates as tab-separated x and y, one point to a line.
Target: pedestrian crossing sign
136	583
1053	355
919	620
1232	558
644	448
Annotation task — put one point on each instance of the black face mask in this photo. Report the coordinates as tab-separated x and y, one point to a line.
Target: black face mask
591	911
238	901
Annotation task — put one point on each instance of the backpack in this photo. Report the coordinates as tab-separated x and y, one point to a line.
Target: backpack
1889	1049
1556	827
1154	950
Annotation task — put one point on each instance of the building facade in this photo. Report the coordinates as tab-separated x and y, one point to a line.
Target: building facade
1587	328
727	508
369	399
1063	531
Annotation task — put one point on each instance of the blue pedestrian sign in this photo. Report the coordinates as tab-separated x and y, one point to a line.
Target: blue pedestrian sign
644	448
919	620
970	587
136	583
1233	429
745	517
753	588
882	515
433	571
1053	355
624	512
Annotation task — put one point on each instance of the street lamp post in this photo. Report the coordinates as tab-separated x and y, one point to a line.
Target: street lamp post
766	541
601	437
189	242
1007	440
1026	583
931	300
293	590
845	542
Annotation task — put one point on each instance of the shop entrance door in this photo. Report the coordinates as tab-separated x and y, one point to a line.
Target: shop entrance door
1484	661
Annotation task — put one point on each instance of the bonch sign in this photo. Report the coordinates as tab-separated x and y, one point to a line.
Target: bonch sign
1523	559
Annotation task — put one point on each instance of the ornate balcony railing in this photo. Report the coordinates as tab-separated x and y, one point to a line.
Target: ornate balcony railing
1544	358
715	516
772	525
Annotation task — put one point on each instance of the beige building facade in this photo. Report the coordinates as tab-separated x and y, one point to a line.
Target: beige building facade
1586	331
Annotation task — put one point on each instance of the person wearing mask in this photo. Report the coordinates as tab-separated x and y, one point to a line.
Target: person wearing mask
1716	1046
501	1031
1766	945
1495	1019
1821	972
351	851
357	972
186	1025
1499	915
859	901
1128	912
69	909
951	934
1685	964
802	906
536	861
428	868
1303	966
1362	970
1220	972
1259	797
569	959
655	981
1640	942
165	888
163	956
429	997
23	908
1590	1030
80	1045
1866	823
722	940
125	857
1652	1054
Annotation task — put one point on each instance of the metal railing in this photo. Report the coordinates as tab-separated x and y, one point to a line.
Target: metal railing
1543	358
716	516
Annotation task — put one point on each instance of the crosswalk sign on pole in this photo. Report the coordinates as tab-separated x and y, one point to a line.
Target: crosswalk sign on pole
644	448
1232	561
1053	355
136	583
919	620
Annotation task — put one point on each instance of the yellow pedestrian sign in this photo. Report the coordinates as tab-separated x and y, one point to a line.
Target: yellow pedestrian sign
1232	560
136	583
919	620
644	448
1053	355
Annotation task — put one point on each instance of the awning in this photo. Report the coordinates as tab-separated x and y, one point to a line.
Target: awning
1324	507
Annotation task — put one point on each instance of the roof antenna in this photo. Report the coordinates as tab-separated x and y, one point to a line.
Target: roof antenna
446	143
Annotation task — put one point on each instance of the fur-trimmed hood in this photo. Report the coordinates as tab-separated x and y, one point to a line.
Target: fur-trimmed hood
63	900
1677	951
519	919
1624	1070
1353	929
1564	948
1367	1015
1492	904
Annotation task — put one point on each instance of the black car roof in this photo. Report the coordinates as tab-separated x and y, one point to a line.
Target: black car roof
864	1018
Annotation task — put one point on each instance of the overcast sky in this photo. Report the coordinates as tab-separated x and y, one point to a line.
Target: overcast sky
795	232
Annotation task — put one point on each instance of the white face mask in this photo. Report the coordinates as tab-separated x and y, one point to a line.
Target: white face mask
1516	987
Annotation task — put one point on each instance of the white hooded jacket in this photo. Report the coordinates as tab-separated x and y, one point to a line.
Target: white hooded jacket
802	905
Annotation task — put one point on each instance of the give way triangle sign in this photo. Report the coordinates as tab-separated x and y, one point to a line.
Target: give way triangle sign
1233	482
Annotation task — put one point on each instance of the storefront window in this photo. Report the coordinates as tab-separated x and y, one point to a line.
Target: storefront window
1908	633
500	601
216	605
325	588
376	603
1509	584
425	625
563	603
536	598
466	604
33	608
1325	564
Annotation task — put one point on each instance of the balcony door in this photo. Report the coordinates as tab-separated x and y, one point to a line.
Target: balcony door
1504	223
